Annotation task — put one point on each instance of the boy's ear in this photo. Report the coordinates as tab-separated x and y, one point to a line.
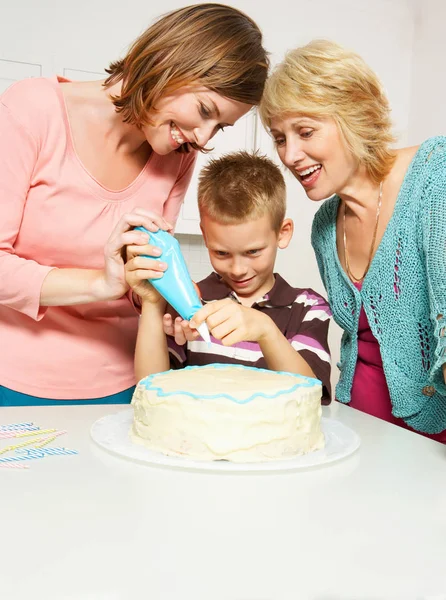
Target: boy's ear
285	233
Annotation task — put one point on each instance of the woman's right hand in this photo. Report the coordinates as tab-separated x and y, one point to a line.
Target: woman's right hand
114	279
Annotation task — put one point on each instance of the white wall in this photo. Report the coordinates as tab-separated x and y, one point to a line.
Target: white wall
428	87
87	35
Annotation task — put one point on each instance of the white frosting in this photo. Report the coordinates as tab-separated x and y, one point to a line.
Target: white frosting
228	412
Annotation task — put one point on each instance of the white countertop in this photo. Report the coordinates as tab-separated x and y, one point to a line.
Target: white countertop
97	527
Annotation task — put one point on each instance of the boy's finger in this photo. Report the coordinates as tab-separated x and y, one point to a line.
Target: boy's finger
203	313
145	262
146	250
186	331
180	337
167	324
231	339
223	330
225	314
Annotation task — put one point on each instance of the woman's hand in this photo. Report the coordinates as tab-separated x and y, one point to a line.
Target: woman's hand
113	281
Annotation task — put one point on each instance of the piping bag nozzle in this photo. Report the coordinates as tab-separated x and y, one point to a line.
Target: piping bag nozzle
204	332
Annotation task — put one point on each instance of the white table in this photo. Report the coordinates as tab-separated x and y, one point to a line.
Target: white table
96	527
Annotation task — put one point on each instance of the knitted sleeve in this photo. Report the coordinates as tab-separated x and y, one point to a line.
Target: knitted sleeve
434	241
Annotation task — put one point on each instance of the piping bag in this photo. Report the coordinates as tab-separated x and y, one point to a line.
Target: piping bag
175	285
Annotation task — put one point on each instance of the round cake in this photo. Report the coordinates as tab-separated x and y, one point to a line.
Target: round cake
228	412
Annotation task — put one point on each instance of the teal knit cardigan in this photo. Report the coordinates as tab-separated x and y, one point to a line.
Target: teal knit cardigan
403	293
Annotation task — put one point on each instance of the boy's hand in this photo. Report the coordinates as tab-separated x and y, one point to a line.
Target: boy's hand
138	269
231	322
179	329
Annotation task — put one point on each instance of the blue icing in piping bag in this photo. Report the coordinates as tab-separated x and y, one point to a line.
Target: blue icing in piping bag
176	284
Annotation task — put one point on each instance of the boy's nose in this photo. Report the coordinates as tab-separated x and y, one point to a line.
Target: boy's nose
238	270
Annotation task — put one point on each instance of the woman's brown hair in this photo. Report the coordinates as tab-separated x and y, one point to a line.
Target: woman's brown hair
210	45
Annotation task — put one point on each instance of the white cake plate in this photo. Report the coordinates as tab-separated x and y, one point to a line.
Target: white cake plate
112	434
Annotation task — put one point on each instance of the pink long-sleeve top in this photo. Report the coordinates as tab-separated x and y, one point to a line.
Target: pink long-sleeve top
54	214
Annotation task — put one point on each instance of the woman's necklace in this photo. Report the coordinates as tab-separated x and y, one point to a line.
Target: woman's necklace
372	247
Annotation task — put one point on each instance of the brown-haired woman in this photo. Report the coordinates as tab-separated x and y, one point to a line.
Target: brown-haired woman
79	160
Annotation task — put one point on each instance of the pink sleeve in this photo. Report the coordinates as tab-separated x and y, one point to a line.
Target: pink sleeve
21	279
173	204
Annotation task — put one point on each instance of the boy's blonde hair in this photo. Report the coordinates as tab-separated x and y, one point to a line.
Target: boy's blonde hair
240	186
323	79
204	45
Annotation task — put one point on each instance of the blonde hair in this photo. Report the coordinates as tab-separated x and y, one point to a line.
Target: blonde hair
323	79
241	186
210	45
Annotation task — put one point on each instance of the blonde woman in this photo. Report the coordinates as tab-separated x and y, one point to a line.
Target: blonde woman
380	238
81	164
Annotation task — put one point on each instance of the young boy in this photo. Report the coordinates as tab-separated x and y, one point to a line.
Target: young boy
254	316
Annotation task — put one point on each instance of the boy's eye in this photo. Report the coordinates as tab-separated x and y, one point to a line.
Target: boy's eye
221	253
252	252
306	133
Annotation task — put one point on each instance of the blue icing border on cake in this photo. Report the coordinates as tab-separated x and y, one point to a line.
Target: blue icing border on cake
305	381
